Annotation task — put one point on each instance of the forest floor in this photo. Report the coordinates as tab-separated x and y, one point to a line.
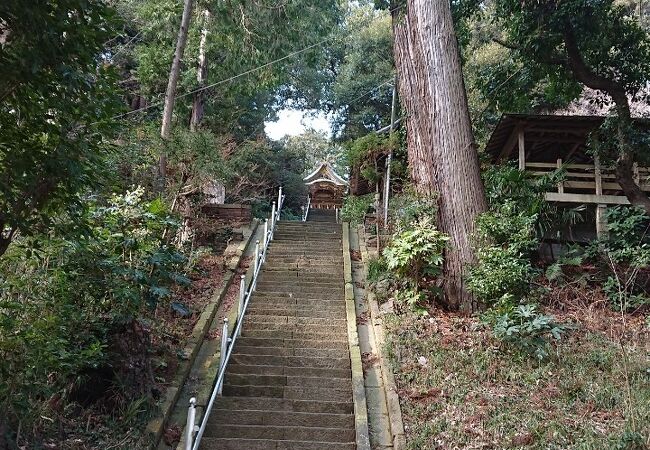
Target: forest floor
459	389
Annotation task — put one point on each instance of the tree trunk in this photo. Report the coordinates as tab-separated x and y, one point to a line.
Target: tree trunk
585	75
442	155
201	76
170	94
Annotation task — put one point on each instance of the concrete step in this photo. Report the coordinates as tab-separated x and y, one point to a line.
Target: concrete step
279	418
297	277
290	392
317	311
291	361
326	250
324	327
291	334
283	404
265	322
299	258
323	281
301	289
296	301
296	297
332	270
210	443
308	434
341	343
292	351
289	381
288	371
305	239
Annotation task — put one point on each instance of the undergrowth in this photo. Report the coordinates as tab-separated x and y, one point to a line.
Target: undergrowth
457	390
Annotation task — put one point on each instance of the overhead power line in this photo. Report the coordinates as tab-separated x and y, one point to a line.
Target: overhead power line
229	79
248	72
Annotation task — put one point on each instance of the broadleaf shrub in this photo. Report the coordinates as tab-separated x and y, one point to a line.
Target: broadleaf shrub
415	257
524	327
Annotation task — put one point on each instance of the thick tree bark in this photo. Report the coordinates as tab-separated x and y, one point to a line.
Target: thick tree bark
201	76
442	154
174	73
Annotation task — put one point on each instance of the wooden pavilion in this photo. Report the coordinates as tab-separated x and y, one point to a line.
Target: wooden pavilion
326	187
543	143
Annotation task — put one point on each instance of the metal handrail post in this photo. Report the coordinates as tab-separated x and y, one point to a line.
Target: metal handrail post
266	236
257	262
242	298
224	349
272	220
280	197
191	424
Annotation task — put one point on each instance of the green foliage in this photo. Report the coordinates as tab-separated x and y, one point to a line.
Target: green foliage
626	253
524	327
508	234
506	237
355	208
377	268
241	36
415	256
417	253
257	168
64	294
56	101
408	207
500	271
364	152
365	69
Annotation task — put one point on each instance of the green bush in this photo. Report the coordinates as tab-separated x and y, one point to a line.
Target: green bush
500	271
524	327
506	239
355	208
415	257
625	254
65	294
377	268
409	207
364	152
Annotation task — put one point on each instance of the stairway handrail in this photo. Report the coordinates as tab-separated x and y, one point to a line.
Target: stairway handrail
306	213
192	441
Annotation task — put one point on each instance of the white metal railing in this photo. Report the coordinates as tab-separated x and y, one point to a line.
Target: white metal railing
192	440
305	209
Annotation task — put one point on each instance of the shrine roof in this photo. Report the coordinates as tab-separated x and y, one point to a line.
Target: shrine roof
325	173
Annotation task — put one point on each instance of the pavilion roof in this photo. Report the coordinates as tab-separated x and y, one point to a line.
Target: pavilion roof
325	173
547	137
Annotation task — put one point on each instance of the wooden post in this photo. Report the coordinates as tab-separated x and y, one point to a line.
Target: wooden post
635	169
522	150
598	176
560	185
601	221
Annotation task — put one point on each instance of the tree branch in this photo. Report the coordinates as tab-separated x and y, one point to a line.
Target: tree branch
554	59
583	73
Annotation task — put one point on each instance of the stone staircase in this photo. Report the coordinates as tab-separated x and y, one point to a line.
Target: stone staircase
288	384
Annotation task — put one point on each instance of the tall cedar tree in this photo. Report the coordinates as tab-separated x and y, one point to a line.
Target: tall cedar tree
442	155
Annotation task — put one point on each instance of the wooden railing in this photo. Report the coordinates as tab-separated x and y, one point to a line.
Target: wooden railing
588	183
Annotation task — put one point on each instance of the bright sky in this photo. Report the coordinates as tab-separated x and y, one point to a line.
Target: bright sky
294	121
